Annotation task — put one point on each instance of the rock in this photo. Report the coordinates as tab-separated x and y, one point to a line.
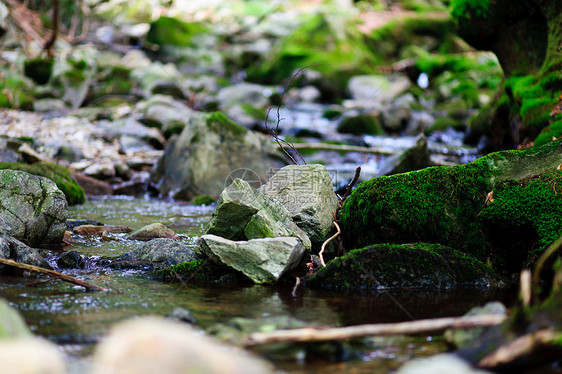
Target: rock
402	266
12	325
72	223
414	158
182	315
207	151
502	208
71	260
262	260
132	127
306	191
165	112
161	253
233	99
244	213
445	363
396	116
88	230
377	88
92	186
57	173
100	170
149	345
152	231
360	124
31	356
33	207
13	249
50	105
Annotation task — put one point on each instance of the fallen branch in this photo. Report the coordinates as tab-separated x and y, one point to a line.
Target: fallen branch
53	274
526	345
326	242
342	148
310	334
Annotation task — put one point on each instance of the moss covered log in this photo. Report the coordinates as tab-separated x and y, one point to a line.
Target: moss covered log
470	207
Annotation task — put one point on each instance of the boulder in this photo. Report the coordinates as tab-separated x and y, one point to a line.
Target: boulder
360	124
377	88
152	231
71	260
160	253
33	207
234	99
207	151
504	207
306	191
165	112
244	213
414	158
150	345
264	261
13	249
402	266
31	356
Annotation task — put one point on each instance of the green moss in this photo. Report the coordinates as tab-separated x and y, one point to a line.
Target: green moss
443	123
360	124
466	9
331	113
444	204
252	111
220	123
203	200
406	266
16	90
39	69
553	131
57	173
173	32
535	114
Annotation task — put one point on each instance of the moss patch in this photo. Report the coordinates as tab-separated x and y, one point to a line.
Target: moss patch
384	266
173	32
360	124
16	90
59	174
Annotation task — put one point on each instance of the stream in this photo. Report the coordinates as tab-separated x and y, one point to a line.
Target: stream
76	320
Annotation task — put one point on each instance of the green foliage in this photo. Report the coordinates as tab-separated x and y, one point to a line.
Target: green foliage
220	123
554	130
469	8
16	90
173	32
360	124
203	200
57	173
442	123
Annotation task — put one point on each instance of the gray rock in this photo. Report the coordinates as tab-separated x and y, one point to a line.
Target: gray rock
183	315
306	191
152	231
160	253
233	99
71	260
12	325
244	213
49	105
13	249
149	345
100	170
414	158
397	115
377	88
439	364
262	260
131	127
33	207
167	113
208	150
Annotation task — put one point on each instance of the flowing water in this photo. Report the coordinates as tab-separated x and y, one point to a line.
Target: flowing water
76	319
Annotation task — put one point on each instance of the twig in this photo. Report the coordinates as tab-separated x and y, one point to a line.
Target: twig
350	185
53	274
326	242
522	346
343	148
55	20
295	288
310	334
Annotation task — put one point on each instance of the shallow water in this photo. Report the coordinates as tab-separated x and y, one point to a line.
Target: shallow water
75	319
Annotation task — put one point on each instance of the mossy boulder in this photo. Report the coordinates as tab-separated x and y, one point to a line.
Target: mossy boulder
57	173
465	206
404	266
16	90
360	124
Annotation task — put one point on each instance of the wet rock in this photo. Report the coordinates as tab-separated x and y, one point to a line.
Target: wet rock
89	230
396	116
71	260
377	88
443	363
166	113
207	151
31	356
132	127
160	253
244	213
130	348
402	266
72	223
233	99
414	158
262	260
12	325
182	315
152	231
13	249
92	186
100	170
306	191
33	207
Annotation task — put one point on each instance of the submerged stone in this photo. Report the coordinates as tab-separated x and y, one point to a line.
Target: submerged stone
159	253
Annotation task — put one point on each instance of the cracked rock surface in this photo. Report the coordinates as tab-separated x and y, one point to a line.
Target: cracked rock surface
32	208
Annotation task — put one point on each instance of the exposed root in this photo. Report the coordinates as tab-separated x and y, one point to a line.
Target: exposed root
326	243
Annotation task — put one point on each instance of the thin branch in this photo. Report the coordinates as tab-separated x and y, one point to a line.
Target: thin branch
350	185
310	334
53	274
343	148
55	20
326	242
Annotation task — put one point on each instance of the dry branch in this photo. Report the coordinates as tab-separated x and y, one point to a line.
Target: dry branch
342	148
326	242
53	274
423	326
